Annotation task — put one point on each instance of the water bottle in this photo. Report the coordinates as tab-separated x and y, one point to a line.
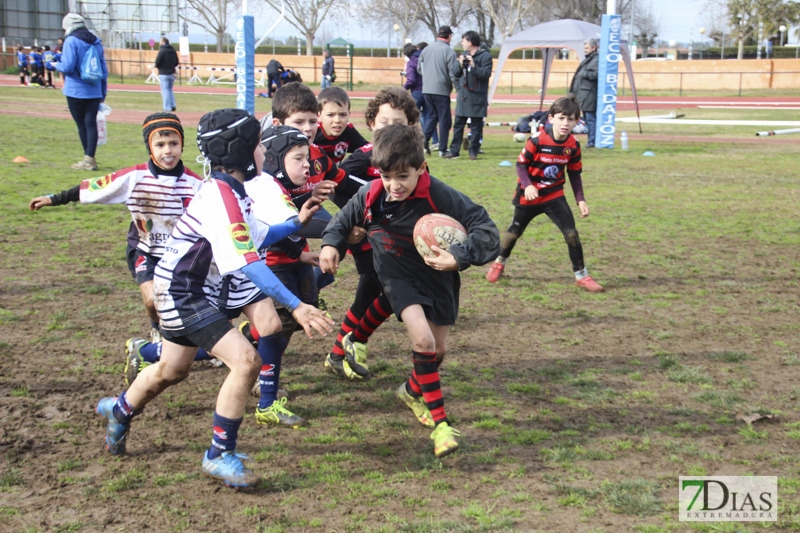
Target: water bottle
623	139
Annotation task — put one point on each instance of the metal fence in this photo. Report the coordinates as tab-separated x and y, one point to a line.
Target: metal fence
515	81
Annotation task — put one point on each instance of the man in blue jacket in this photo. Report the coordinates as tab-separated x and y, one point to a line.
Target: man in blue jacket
83	98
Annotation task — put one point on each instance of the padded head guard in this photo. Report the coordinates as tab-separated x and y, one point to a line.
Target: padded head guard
228	138
160	122
278	140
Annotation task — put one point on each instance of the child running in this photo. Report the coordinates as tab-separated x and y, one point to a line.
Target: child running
423	292
336	136
540	188
156	193
212	273
370	308
286	166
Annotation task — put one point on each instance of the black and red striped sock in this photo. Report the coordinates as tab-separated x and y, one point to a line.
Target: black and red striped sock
377	313
349	323
412	386
426	372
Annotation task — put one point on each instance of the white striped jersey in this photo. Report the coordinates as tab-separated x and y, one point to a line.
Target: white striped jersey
204	256
272	203
155	201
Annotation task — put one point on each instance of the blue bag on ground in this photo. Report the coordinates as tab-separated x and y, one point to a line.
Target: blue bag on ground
91	71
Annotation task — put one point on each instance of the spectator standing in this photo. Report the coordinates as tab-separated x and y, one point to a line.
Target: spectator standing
274	70
413	78
83	97
436	62
471	75
584	87
327	69
166	61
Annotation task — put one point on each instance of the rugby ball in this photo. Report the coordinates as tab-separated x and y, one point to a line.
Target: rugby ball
520	137
439	230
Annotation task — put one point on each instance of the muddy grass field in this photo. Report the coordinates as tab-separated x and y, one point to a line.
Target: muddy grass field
578	411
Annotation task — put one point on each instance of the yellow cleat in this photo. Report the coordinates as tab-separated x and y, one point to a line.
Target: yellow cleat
417	406
444	439
277	414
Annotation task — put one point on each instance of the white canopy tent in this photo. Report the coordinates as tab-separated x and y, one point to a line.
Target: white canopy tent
550	37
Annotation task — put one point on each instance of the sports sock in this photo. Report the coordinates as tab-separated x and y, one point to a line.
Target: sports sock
412	386
224	436
427	374
150	352
349	323
123	410
580	274
252	331
377	313
202	355
270	348
500	259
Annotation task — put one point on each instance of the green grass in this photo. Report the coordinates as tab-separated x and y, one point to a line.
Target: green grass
577	410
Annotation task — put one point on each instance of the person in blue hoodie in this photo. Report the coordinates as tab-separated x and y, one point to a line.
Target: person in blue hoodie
83	98
22	63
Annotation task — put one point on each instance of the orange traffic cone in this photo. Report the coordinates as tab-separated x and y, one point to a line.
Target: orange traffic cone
21	159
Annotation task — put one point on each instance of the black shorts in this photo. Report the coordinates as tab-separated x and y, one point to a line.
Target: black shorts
437	294
23	70
141	264
206	338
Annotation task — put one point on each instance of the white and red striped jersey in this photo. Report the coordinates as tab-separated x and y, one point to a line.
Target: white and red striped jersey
156	201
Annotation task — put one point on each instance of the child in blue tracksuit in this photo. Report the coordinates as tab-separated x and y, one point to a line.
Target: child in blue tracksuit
35	60
48	56
22	63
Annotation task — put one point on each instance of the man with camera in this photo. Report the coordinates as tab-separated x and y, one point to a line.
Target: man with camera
471	75
435	65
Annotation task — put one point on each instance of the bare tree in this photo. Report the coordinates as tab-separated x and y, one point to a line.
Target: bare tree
505	14
211	14
715	20
586	10
435	13
307	15
646	26
402	13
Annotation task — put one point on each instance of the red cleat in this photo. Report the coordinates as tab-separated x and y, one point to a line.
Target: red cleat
589	284
494	272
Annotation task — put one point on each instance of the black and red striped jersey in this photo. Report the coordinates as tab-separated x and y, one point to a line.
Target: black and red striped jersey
546	162
336	147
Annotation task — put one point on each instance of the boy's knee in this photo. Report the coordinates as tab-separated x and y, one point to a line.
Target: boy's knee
424	345
571	237
171	374
270	324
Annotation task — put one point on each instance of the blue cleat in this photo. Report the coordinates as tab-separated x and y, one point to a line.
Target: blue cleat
116	431
229	468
